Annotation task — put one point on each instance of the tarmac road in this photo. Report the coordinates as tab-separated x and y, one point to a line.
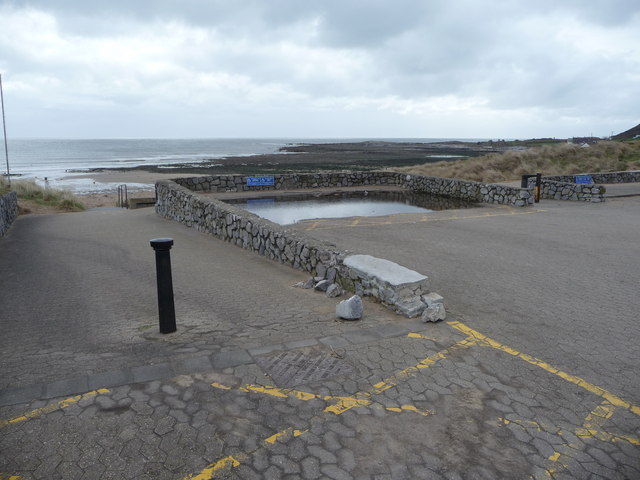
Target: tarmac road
533	375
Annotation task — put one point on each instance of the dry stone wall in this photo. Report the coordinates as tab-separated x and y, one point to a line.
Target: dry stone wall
572	191
8	211
448	187
287	246
563	187
182	201
468	190
632	176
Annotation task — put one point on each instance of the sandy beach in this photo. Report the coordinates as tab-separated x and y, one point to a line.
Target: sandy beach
109	197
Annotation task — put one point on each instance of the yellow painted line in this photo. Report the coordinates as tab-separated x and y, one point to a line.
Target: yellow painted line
523	423
281	392
284	433
220	386
392	381
419	335
399	219
344	404
10	477
362	401
38	412
312	226
221	465
601	392
410	408
225	464
592	427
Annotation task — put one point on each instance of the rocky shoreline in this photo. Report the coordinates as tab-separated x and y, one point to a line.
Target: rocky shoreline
362	156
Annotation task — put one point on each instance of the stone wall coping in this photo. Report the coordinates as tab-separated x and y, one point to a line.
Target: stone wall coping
385	270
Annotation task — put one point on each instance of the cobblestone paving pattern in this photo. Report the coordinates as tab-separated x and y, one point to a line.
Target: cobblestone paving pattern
533	375
453	405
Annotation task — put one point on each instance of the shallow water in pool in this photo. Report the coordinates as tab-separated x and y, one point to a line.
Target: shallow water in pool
289	209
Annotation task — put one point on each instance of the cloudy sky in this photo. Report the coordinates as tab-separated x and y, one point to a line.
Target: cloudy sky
323	68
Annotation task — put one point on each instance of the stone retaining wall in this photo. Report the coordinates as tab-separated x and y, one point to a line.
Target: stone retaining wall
583	192
563	187
632	176
448	187
8	211
181	200
288	246
469	190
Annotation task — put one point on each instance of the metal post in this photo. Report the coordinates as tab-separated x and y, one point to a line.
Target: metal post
524	183
4	128
166	309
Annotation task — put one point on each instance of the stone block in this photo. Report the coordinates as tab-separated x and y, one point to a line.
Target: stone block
432	298
434	313
410	308
322	285
334	290
350	309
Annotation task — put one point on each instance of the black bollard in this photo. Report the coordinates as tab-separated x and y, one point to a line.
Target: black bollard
166	309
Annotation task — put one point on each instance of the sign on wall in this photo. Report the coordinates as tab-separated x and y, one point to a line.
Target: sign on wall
583	179
259	181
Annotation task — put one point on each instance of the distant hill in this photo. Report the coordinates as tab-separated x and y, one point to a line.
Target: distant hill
629	134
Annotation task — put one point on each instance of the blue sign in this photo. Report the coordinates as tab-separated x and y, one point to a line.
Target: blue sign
583	179
259	181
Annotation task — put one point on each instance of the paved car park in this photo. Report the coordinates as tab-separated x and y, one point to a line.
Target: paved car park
532	375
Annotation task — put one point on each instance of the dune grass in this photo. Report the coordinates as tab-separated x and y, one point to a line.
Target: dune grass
565	159
31	191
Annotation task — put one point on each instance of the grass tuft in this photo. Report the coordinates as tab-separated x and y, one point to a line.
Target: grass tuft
562	159
30	190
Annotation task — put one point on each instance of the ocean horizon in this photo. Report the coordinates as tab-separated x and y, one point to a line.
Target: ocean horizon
59	161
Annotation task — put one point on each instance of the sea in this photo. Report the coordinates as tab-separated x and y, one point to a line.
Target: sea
62	163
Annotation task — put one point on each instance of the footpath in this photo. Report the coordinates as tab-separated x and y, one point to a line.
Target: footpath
262	381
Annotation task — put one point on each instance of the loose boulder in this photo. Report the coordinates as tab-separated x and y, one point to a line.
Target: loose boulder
322	285
350	309
308	284
334	290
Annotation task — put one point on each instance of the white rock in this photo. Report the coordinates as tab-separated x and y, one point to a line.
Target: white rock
431	298
434	313
350	309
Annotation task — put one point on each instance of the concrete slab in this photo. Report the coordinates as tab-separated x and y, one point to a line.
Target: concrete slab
385	270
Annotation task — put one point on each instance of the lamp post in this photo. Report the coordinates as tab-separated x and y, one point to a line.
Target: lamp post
4	128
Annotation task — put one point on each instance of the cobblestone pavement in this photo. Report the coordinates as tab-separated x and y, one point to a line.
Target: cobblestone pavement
533	375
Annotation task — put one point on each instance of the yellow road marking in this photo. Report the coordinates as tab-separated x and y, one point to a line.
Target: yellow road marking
233	461
67	402
410	408
419	335
284	433
327	224
601	392
344	404
10	477
362	401
522	423
592	425
220	386
223	464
